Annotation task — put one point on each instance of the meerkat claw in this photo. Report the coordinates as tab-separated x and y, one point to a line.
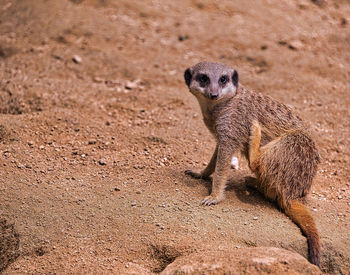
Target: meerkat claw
209	200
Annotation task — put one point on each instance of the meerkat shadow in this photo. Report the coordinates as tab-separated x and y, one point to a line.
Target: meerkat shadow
190	181
243	187
241	183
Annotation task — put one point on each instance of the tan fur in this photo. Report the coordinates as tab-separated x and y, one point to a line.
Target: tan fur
274	140
271	189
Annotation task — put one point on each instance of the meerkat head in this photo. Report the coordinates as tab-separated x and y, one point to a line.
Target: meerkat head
211	80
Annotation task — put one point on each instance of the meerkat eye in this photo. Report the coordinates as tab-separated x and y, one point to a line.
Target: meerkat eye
203	79
223	79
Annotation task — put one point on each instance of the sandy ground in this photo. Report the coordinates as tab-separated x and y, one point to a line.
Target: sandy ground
97	128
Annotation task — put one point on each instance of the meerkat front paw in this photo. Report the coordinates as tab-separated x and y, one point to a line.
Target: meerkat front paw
196	175
211	200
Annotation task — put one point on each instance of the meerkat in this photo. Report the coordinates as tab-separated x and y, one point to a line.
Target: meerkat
275	142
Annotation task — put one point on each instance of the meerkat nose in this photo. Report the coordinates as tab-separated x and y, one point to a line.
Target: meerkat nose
214	96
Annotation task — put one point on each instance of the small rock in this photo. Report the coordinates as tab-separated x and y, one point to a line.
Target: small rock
255	218
183	37
131	84
133	204
319	3
77	59
116	189
41	147
102	162
343	21
296	45
282	43
340	197
98	79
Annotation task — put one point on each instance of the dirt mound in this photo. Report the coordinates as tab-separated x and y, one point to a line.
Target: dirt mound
16	101
9	244
262	260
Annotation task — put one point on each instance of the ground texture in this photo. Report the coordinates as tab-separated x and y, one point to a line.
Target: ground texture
97	128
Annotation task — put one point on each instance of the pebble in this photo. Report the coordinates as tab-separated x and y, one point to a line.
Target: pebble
133	204
131	84
296	45
98	79
77	59
340	197
116	189
255	218
183	37
102	162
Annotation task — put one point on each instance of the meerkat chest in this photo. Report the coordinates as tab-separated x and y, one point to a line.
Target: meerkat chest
206	113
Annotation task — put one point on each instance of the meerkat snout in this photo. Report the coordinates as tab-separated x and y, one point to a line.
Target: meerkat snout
211	80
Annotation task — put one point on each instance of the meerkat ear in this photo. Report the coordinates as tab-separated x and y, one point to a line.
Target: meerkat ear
188	76
235	78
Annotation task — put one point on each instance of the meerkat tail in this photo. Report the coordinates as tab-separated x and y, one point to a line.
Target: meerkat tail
298	213
254	143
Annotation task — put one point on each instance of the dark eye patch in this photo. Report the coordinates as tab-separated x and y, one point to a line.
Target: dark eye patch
223	79
203	79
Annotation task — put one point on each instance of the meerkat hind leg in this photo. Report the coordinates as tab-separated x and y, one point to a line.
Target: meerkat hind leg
254	154
254	145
